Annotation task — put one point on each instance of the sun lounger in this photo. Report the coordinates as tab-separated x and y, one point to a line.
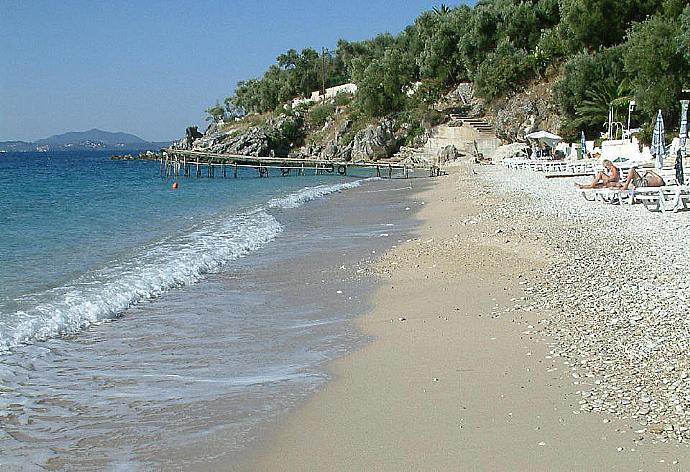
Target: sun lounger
666	198
606	195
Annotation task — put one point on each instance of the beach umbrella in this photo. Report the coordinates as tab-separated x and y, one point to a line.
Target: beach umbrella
658	141
583	145
544	137
682	134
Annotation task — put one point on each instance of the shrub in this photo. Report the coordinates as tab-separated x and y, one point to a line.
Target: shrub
413	131
320	114
343	98
503	71
292	131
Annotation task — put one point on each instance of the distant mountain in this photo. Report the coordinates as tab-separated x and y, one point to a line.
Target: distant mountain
93	139
93	135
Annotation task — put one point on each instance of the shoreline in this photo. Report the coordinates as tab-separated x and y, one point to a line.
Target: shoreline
197	373
460	373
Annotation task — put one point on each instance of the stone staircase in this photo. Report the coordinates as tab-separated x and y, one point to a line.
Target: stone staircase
468	135
480	125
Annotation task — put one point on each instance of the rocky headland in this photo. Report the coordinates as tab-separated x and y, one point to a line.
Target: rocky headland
457	128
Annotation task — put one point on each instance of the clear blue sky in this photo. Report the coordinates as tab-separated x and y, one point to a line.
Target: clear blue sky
151	67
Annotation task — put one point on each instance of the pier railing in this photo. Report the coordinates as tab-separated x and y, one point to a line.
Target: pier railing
209	164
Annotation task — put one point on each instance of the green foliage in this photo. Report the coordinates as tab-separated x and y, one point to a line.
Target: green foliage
320	114
657	66
674	8
438	56
292	131
610	51
381	84
428	92
442	10
215	113
603	96
417	119
683	37
416	129
192	133
592	24
343	98
549	49
504	71
582	73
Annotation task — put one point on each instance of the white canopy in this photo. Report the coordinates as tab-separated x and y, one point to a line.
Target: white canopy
544	137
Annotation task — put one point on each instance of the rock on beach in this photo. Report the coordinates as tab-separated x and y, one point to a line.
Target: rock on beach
618	286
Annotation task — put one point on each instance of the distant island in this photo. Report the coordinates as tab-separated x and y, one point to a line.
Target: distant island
91	140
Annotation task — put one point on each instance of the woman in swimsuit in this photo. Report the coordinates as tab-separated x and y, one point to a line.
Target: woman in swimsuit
609	177
649	179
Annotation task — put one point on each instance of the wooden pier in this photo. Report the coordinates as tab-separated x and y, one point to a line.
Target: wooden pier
208	164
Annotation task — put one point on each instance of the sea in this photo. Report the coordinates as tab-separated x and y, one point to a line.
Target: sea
149	328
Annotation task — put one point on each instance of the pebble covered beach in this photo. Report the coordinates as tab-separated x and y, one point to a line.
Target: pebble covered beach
617	289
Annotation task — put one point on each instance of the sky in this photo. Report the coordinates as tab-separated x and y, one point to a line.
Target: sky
152	67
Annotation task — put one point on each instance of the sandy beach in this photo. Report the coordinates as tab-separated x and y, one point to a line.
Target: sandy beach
472	366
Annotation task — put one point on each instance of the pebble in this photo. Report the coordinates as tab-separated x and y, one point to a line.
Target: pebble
622	321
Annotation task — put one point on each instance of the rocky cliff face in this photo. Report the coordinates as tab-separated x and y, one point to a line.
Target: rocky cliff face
271	138
277	137
530	110
514	116
375	141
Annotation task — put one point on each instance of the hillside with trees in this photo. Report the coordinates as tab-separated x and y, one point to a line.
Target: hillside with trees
594	54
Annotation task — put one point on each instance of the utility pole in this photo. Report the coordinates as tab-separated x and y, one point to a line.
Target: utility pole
323	71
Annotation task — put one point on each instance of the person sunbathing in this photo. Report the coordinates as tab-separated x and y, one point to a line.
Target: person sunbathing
609	177
649	179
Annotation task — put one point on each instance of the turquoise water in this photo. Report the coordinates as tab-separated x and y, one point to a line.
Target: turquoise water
226	296
85	237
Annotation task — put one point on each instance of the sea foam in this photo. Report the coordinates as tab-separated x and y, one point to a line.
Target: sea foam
307	194
177	260
105	293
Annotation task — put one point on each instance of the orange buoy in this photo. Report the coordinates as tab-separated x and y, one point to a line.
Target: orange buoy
174	185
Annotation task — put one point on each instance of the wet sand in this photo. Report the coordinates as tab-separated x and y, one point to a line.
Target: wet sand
458	377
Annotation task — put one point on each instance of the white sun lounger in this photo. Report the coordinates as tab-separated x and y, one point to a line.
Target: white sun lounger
606	195
666	198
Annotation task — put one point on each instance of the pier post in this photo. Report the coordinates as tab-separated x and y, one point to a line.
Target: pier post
235	172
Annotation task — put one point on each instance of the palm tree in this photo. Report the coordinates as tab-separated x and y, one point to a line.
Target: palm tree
442	10
600	99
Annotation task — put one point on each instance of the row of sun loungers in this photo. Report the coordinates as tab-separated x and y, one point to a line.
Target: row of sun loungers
548	165
671	197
